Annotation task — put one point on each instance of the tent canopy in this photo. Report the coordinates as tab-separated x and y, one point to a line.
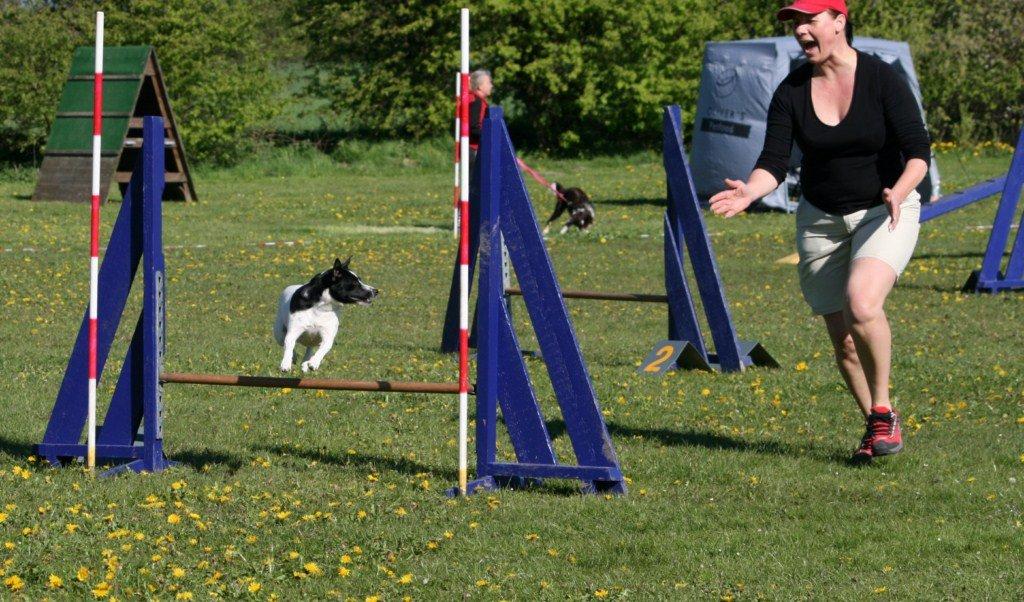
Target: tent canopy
737	81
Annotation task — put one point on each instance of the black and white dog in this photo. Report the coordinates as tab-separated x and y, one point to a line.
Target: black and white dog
577	203
308	313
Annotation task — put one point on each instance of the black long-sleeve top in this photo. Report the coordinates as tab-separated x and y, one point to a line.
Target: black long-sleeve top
846	166
476	120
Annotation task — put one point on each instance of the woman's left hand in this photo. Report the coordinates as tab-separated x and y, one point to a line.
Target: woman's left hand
893	200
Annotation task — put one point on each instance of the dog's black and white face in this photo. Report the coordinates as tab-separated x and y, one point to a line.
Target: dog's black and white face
344	286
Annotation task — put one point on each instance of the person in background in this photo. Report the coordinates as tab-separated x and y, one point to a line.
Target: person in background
480	86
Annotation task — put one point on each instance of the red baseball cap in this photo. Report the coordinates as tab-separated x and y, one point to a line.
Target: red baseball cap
812	7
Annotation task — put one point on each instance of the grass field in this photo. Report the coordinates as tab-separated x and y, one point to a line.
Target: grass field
739	486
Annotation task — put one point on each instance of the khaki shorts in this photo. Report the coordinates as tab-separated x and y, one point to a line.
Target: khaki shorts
828	244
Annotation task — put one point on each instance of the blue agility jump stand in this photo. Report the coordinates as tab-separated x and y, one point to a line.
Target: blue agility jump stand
991	278
136	400
502	378
683	223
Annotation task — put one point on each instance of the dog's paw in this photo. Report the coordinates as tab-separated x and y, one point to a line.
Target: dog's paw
286	366
310	366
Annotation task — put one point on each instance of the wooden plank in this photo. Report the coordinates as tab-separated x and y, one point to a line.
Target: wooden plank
123	177
333	384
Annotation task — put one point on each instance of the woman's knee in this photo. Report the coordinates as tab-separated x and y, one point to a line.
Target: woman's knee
862	308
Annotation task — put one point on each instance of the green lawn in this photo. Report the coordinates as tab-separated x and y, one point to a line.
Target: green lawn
739	487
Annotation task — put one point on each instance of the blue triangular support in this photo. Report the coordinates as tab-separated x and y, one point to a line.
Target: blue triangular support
990	278
685	221
136	400
502	379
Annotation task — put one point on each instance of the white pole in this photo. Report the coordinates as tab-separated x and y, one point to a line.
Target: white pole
464	267
94	242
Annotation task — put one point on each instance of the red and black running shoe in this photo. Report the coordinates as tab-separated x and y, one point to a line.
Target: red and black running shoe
884	426
866	451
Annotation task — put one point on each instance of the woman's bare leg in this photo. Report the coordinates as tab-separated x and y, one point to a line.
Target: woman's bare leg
868	285
847	360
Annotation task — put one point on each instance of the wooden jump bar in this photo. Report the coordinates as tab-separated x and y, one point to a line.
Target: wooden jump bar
333	384
636	297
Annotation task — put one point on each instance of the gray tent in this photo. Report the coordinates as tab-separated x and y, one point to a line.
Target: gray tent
737	82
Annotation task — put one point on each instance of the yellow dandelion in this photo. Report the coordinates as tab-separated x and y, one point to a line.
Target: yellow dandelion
432	545
14	583
346	559
401	511
532	537
254	586
177	572
313	569
801	366
82	574
184	596
173	519
55	582
293	555
481	583
343	571
3	516
405	579
601	594
102	589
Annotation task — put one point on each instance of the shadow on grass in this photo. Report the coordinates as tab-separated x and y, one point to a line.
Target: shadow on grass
197	459
402	465
960	255
17	449
714	441
633	202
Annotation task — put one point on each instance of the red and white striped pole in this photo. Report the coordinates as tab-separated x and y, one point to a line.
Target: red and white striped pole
464	259
458	134
94	244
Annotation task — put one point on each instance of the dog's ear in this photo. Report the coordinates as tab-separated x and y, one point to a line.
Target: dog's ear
559	188
340	265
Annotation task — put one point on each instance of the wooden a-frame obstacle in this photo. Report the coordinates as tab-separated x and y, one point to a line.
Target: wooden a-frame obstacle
136	407
133	88
683	222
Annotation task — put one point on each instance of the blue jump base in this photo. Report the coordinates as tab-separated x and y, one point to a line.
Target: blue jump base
992	278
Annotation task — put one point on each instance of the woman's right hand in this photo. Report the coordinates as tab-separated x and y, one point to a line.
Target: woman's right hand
732	201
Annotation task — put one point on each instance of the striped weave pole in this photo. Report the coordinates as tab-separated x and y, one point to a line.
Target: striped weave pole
464	259
458	134
94	245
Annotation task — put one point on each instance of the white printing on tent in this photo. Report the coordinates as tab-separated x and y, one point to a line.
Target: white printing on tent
737	82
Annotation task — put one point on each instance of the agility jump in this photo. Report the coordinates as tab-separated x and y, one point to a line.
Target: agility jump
683	222
132	436
991	278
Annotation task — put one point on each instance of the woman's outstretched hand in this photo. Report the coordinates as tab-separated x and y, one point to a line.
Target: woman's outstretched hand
732	201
